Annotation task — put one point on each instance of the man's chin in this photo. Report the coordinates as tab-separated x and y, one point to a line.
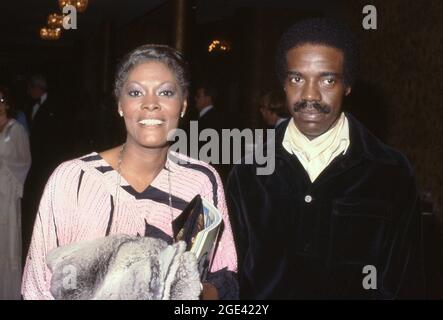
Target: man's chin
311	130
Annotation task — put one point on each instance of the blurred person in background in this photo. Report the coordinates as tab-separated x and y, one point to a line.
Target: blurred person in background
15	160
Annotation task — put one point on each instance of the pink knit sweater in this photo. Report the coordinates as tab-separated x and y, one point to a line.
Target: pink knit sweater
86	199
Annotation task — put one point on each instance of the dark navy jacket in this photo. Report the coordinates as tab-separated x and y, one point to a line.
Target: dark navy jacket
297	239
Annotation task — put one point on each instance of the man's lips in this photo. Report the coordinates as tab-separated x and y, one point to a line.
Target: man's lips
310	115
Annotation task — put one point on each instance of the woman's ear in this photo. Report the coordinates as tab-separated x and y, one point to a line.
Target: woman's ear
348	91
185	106
120	111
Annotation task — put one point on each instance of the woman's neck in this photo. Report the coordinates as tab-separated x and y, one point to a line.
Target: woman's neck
141	165
4	124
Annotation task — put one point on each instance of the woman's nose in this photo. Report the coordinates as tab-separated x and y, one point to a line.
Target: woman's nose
150	102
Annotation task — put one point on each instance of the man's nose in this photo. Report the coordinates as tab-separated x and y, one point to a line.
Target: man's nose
311	92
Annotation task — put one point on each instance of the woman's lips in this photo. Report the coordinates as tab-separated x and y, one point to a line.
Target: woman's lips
150	122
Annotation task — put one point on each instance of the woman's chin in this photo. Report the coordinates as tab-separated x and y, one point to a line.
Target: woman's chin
154	144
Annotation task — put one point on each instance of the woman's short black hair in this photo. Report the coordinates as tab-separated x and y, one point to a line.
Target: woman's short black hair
322	31
153	52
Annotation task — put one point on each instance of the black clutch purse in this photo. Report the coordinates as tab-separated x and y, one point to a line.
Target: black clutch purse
190	222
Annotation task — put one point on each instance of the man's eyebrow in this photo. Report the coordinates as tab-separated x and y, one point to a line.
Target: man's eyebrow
330	74
293	73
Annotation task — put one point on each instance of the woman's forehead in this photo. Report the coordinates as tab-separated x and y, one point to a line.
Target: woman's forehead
151	66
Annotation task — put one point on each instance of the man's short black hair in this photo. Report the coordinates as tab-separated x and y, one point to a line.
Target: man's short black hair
209	89
38	81
322	31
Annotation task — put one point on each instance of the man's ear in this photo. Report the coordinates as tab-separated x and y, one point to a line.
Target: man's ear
348	90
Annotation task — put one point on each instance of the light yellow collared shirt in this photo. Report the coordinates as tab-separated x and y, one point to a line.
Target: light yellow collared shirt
315	155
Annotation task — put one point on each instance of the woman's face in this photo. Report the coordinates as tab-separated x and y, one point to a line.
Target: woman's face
3	116
151	102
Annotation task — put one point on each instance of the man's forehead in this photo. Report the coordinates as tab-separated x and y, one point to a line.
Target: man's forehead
315	55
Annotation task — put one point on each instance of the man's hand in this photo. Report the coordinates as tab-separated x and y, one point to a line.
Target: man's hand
209	292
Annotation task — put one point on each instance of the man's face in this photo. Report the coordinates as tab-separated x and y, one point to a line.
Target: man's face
201	100
314	87
35	92
269	117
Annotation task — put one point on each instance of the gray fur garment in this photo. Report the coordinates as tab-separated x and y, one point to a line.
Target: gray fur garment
124	267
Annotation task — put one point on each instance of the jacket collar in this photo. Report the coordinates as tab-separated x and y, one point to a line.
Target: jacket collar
363	143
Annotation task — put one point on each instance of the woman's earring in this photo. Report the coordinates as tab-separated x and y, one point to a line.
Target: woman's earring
120	113
182	114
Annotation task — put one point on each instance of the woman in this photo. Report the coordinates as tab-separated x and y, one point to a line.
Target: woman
137	188
15	160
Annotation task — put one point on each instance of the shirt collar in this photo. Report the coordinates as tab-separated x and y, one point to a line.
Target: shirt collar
43	98
279	121
205	110
295	141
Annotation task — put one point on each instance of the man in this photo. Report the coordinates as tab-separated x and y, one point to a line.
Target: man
42	120
339	217
208	116
47	142
273	108
211	117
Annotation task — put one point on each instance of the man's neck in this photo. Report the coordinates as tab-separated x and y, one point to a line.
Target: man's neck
310	138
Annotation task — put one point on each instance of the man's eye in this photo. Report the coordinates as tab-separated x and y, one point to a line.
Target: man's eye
329	81
167	93
295	79
134	93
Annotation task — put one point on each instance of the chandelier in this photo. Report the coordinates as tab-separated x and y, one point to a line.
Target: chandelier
55	20
219	46
80	5
50	33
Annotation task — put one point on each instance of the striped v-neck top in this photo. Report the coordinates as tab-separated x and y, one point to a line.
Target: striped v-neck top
86	199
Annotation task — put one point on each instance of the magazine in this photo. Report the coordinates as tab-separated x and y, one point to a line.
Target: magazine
199	226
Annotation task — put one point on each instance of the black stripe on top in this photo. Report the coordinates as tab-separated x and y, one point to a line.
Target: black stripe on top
56	232
80	182
104	169
202	169
111	217
91	158
154	232
157	195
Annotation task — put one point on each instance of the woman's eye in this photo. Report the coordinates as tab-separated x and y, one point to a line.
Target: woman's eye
135	93
329	81
167	93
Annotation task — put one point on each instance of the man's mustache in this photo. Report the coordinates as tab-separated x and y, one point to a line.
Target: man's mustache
320	107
